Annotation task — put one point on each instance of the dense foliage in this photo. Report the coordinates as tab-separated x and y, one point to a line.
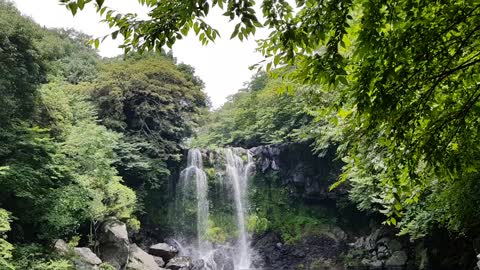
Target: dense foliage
155	104
394	85
81	136
404	80
259	114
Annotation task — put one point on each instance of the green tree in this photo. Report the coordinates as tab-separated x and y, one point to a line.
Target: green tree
67	55
21	69
5	247
259	114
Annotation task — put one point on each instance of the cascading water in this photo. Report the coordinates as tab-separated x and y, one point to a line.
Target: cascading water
192	201
193	177
238	172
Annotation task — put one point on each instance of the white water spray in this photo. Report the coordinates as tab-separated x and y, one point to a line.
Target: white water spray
192	192
194	175
238	173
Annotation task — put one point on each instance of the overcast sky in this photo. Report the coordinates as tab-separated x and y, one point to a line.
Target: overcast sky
222	65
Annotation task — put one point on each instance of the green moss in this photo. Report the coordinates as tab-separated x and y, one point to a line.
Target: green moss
257	224
211	173
284	213
216	235
321	264
300	266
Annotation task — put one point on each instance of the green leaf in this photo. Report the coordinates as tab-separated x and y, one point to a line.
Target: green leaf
100	2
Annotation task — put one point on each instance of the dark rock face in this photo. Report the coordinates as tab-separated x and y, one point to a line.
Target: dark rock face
381	250
311	174
310	253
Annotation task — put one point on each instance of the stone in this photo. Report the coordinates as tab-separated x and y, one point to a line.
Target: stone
85	259
114	243
398	258
163	250
61	247
394	245
372	264
87	255
160	262
141	260
478	262
382	252
299	253
383	241
179	263
371	241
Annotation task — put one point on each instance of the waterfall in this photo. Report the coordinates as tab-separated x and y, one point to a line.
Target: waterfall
230	188
193	177
237	171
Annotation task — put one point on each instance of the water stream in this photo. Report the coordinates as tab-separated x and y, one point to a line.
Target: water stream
194	179
237	171
192	192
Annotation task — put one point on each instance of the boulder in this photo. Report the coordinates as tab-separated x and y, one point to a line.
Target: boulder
163	250
179	263
141	260
478	261
114	244
85	259
398	258
61	247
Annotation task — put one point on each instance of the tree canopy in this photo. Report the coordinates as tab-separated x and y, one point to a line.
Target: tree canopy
82	139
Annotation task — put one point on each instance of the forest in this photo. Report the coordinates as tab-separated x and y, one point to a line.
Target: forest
389	91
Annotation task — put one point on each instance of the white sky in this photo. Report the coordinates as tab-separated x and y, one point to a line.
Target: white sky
222	65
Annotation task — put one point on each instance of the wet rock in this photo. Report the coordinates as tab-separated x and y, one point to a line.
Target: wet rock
85	259
223	259
371	240
299	253
398	258
297	166
114	243
160	262
383	241
198	264
140	260
359	243
163	250
382	252
179	263
311	247
257	261
372	264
